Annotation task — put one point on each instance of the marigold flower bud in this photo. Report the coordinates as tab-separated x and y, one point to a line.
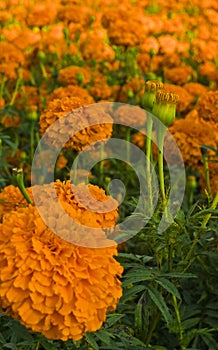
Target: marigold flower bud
149	95
164	107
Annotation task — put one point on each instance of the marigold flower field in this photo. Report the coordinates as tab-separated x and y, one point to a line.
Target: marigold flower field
74	76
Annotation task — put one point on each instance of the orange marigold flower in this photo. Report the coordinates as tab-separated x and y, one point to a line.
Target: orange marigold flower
10	120
59	107
207	106
74	75
135	85
42	14
179	75
185	99
190	133
195	89
100	88
71	91
50	285
209	70
9	53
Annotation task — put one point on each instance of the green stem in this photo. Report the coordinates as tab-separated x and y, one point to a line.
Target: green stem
101	166
179	323
15	91
156	319
160	141
20	182
207	176
44	73
32	140
75	164
37	345
2	85
148	154
212	207
128	135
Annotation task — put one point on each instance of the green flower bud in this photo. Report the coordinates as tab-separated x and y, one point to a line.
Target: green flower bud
164	107
149	95
191	182
80	78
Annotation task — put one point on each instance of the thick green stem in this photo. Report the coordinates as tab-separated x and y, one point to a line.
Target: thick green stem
160	142
19	80
75	164
128	135
207	176
179	323
20	182
148	167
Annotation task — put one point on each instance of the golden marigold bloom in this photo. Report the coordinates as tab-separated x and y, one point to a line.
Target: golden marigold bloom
71	91
10	120
179	75
50	285
74	75
42	14
100	89
190	133
209	70
207	106
185	99
196	90
80	117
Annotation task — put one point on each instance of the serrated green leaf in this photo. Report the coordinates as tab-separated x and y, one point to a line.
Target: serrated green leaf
138	316
191	322
132	291
134	277
168	286
179	275
104	336
159	301
112	319
91	340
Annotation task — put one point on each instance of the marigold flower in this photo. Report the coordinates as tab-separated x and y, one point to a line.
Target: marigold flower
185	99
71	91
42	14
50	285
59	107
195	89
207	106
179	75
190	133
74	75
10	120
209	70
100	89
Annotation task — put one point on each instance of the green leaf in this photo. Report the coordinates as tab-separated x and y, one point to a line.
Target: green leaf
159	301
179	275
112	319
134	277
138	316
104	336
168	286
90	339
132	291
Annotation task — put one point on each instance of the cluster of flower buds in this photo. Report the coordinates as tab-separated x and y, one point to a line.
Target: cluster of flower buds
160	102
